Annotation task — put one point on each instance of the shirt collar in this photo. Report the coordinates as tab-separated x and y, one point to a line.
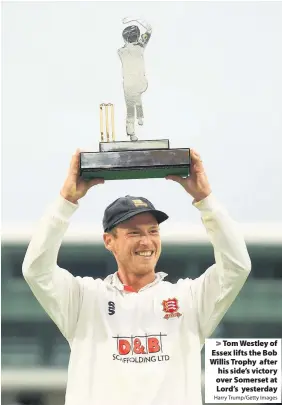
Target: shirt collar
114	281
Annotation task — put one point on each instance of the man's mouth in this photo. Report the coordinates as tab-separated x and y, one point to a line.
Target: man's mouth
145	253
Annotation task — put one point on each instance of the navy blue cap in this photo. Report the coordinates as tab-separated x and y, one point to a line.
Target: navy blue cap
127	207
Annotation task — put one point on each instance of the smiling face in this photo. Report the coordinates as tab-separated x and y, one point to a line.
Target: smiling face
136	244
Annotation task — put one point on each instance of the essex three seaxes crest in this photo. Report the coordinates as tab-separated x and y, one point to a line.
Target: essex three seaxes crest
171	308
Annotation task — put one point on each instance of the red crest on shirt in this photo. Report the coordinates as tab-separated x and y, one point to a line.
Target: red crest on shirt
171	308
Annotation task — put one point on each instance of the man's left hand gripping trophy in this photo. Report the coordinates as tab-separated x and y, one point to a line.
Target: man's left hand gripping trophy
133	68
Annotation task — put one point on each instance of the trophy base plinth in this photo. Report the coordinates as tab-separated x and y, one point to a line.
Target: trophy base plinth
136	145
135	164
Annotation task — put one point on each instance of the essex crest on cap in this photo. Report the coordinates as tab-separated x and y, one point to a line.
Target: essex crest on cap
139	203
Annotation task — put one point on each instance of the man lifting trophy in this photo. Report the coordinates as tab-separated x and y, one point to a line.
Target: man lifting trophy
133	158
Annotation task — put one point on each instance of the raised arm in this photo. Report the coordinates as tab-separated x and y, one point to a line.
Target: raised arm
215	290
57	290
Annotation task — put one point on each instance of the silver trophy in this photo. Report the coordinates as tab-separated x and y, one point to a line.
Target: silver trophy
132	159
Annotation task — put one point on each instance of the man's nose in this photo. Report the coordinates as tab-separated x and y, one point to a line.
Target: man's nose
145	239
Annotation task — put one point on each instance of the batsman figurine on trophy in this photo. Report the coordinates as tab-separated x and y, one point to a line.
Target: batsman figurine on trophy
133	69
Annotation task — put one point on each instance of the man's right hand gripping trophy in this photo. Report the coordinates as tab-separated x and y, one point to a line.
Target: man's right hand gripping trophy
133	68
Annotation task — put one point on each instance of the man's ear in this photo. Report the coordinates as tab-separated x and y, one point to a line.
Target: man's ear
108	241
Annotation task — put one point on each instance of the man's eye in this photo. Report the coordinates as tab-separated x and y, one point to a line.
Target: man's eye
155	231
134	233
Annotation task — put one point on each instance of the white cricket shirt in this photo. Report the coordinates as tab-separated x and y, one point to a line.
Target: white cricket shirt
136	348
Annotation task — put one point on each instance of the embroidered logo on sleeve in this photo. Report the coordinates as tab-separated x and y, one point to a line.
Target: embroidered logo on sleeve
171	308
